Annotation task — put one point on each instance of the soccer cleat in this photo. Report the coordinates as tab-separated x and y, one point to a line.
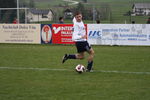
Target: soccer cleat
88	70
65	57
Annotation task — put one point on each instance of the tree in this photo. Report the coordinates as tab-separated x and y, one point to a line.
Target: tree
85	1
31	4
80	7
105	11
8	4
86	12
7	16
23	4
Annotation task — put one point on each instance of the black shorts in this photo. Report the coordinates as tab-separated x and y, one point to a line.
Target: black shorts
82	46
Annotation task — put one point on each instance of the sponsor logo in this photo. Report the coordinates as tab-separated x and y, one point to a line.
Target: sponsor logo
61	28
115	35
95	34
46	34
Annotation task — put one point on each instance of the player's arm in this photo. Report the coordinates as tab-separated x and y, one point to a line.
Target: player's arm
74	20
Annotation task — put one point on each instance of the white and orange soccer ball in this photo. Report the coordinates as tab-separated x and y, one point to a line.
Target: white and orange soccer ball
80	68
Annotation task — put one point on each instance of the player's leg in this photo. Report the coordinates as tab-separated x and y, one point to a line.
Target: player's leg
79	55
73	56
90	59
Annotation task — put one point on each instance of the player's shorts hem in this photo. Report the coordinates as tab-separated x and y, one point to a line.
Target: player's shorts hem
82	46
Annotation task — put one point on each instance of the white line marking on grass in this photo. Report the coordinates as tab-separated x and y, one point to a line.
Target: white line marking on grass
51	69
23	68
124	72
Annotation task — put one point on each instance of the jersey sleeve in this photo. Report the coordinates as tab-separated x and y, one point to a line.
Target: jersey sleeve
74	20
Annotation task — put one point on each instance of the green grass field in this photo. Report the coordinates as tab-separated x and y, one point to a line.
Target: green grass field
35	72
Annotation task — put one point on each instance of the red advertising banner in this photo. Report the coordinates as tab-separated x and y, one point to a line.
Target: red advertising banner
62	33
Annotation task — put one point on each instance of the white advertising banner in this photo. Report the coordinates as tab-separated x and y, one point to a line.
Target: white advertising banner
119	34
20	33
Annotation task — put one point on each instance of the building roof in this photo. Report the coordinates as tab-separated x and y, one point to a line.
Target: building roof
141	5
39	11
67	10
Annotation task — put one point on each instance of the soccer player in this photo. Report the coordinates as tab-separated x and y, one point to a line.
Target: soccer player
80	38
61	20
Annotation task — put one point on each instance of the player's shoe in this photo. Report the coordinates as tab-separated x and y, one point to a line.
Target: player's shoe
88	70
65	57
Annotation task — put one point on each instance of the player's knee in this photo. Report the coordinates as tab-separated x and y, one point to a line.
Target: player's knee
92	55
92	52
81	57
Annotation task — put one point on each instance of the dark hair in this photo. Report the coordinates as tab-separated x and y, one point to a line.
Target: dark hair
60	18
98	21
77	13
133	22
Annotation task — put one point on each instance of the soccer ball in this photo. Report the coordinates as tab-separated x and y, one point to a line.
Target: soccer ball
80	68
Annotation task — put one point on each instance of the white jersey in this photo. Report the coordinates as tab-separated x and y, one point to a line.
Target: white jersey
78	31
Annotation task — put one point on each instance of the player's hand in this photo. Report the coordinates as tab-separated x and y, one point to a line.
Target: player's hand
84	37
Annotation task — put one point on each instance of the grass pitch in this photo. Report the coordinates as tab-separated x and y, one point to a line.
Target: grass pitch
114	77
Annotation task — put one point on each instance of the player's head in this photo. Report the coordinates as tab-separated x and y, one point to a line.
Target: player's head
61	19
78	16
98	21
